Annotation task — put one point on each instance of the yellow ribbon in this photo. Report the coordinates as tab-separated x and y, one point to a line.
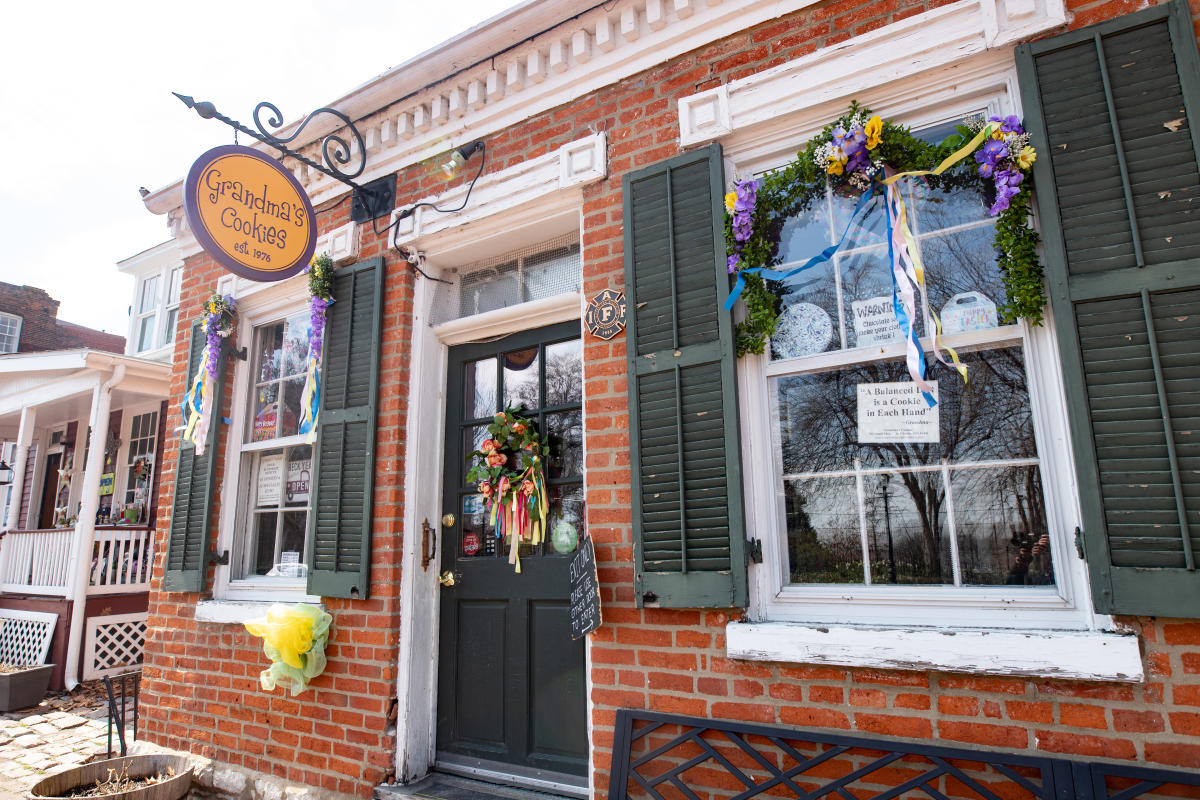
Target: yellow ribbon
950	160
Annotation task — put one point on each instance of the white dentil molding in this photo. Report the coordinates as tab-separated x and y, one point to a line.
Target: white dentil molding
934	40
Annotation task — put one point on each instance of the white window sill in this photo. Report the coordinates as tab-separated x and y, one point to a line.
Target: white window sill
232	612
1074	656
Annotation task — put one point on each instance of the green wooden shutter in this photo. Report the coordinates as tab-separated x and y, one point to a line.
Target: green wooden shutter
688	519
339	522
1118	193
191	508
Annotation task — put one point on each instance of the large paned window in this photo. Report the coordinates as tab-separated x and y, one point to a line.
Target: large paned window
139	462
879	497
277	463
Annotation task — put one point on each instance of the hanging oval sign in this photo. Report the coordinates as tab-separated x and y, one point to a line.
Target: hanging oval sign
249	213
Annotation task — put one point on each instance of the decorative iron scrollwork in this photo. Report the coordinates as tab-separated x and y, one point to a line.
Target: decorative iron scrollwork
334	149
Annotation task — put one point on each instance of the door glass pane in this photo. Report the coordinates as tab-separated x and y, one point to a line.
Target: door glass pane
823	531
1000	520
564	373
566	519
907	529
476	537
564	431
521	374
479	389
473	436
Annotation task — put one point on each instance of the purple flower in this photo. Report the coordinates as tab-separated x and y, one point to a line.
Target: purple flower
995	150
985	170
316	321
1010	124
1010	178
733	262
747	196
743	227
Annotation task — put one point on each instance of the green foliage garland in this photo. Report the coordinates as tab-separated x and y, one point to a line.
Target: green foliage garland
792	190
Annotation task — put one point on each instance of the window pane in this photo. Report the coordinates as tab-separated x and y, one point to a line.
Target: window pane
473	436
145	333
1000	520
149	299
808	322
867	299
169	332
907	530
293	537
552	272
295	344
10	326
266	413
479	389
564	431
299	475
564	373
566	519
489	289
269	352
823	531
987	418
521	373
176	285
477	537
293	389
264	549
965	286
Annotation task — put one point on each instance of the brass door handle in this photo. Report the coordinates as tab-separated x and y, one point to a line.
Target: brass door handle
447	579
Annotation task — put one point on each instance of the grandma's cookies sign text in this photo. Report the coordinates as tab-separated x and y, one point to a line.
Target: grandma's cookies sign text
250	213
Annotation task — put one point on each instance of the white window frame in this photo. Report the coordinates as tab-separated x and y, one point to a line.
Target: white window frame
173	277
121	465
161	332
986	82
5	317
258	305
140	314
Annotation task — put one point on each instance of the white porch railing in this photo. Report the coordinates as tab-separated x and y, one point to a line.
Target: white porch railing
121	561
35	562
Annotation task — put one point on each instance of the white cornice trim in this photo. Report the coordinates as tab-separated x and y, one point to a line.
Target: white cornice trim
532	186
503	321
917	45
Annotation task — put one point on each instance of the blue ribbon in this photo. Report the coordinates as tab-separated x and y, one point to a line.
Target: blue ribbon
819	258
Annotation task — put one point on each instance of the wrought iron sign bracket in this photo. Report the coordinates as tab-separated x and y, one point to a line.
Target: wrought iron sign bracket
342	161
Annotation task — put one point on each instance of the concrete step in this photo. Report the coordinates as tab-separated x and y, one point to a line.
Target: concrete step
451	787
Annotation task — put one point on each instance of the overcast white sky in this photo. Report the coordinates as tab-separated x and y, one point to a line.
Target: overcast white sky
87	116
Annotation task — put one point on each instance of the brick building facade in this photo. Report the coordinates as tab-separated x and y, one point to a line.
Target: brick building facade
40	329
637	83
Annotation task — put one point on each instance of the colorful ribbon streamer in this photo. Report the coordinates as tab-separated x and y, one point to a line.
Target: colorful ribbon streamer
310	397
521	517
197	405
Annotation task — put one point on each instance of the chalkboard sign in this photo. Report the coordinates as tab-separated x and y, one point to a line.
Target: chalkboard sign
585	590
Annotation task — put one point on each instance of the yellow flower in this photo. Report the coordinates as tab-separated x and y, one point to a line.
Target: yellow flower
835	167
874	131
730	199
1026	158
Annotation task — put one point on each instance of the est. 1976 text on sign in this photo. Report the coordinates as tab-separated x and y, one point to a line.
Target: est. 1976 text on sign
249	213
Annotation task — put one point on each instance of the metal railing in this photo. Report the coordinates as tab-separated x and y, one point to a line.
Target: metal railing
668	756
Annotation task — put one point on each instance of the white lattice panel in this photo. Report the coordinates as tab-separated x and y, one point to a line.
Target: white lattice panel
113	644
25	636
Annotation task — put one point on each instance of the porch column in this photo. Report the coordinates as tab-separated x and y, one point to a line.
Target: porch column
24	440
85	525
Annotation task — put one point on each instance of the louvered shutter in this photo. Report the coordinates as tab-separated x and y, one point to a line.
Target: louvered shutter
339	522
1118	194
687	489
191	508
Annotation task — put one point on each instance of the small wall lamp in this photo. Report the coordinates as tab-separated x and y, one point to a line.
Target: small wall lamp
460	157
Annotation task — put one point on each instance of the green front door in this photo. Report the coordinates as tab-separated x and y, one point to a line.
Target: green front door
510	679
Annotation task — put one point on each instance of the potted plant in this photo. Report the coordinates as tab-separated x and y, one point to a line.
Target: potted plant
144	777
23	686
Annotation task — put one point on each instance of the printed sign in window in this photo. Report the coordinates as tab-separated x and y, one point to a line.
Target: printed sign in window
896	412
270	479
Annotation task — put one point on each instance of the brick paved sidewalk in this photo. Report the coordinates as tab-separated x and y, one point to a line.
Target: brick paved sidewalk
59	733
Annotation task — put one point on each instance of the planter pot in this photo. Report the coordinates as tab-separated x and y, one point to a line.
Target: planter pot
61	784
25	688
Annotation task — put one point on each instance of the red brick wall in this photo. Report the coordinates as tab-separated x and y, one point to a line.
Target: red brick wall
40	328
202	692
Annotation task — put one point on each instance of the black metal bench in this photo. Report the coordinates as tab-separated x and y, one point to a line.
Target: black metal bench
667	756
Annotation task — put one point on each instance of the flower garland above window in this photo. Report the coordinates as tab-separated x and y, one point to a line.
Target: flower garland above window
217	323
862	155
509	468
320	287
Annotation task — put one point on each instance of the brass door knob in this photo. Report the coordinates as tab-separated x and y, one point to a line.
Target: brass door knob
446	579
448	520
